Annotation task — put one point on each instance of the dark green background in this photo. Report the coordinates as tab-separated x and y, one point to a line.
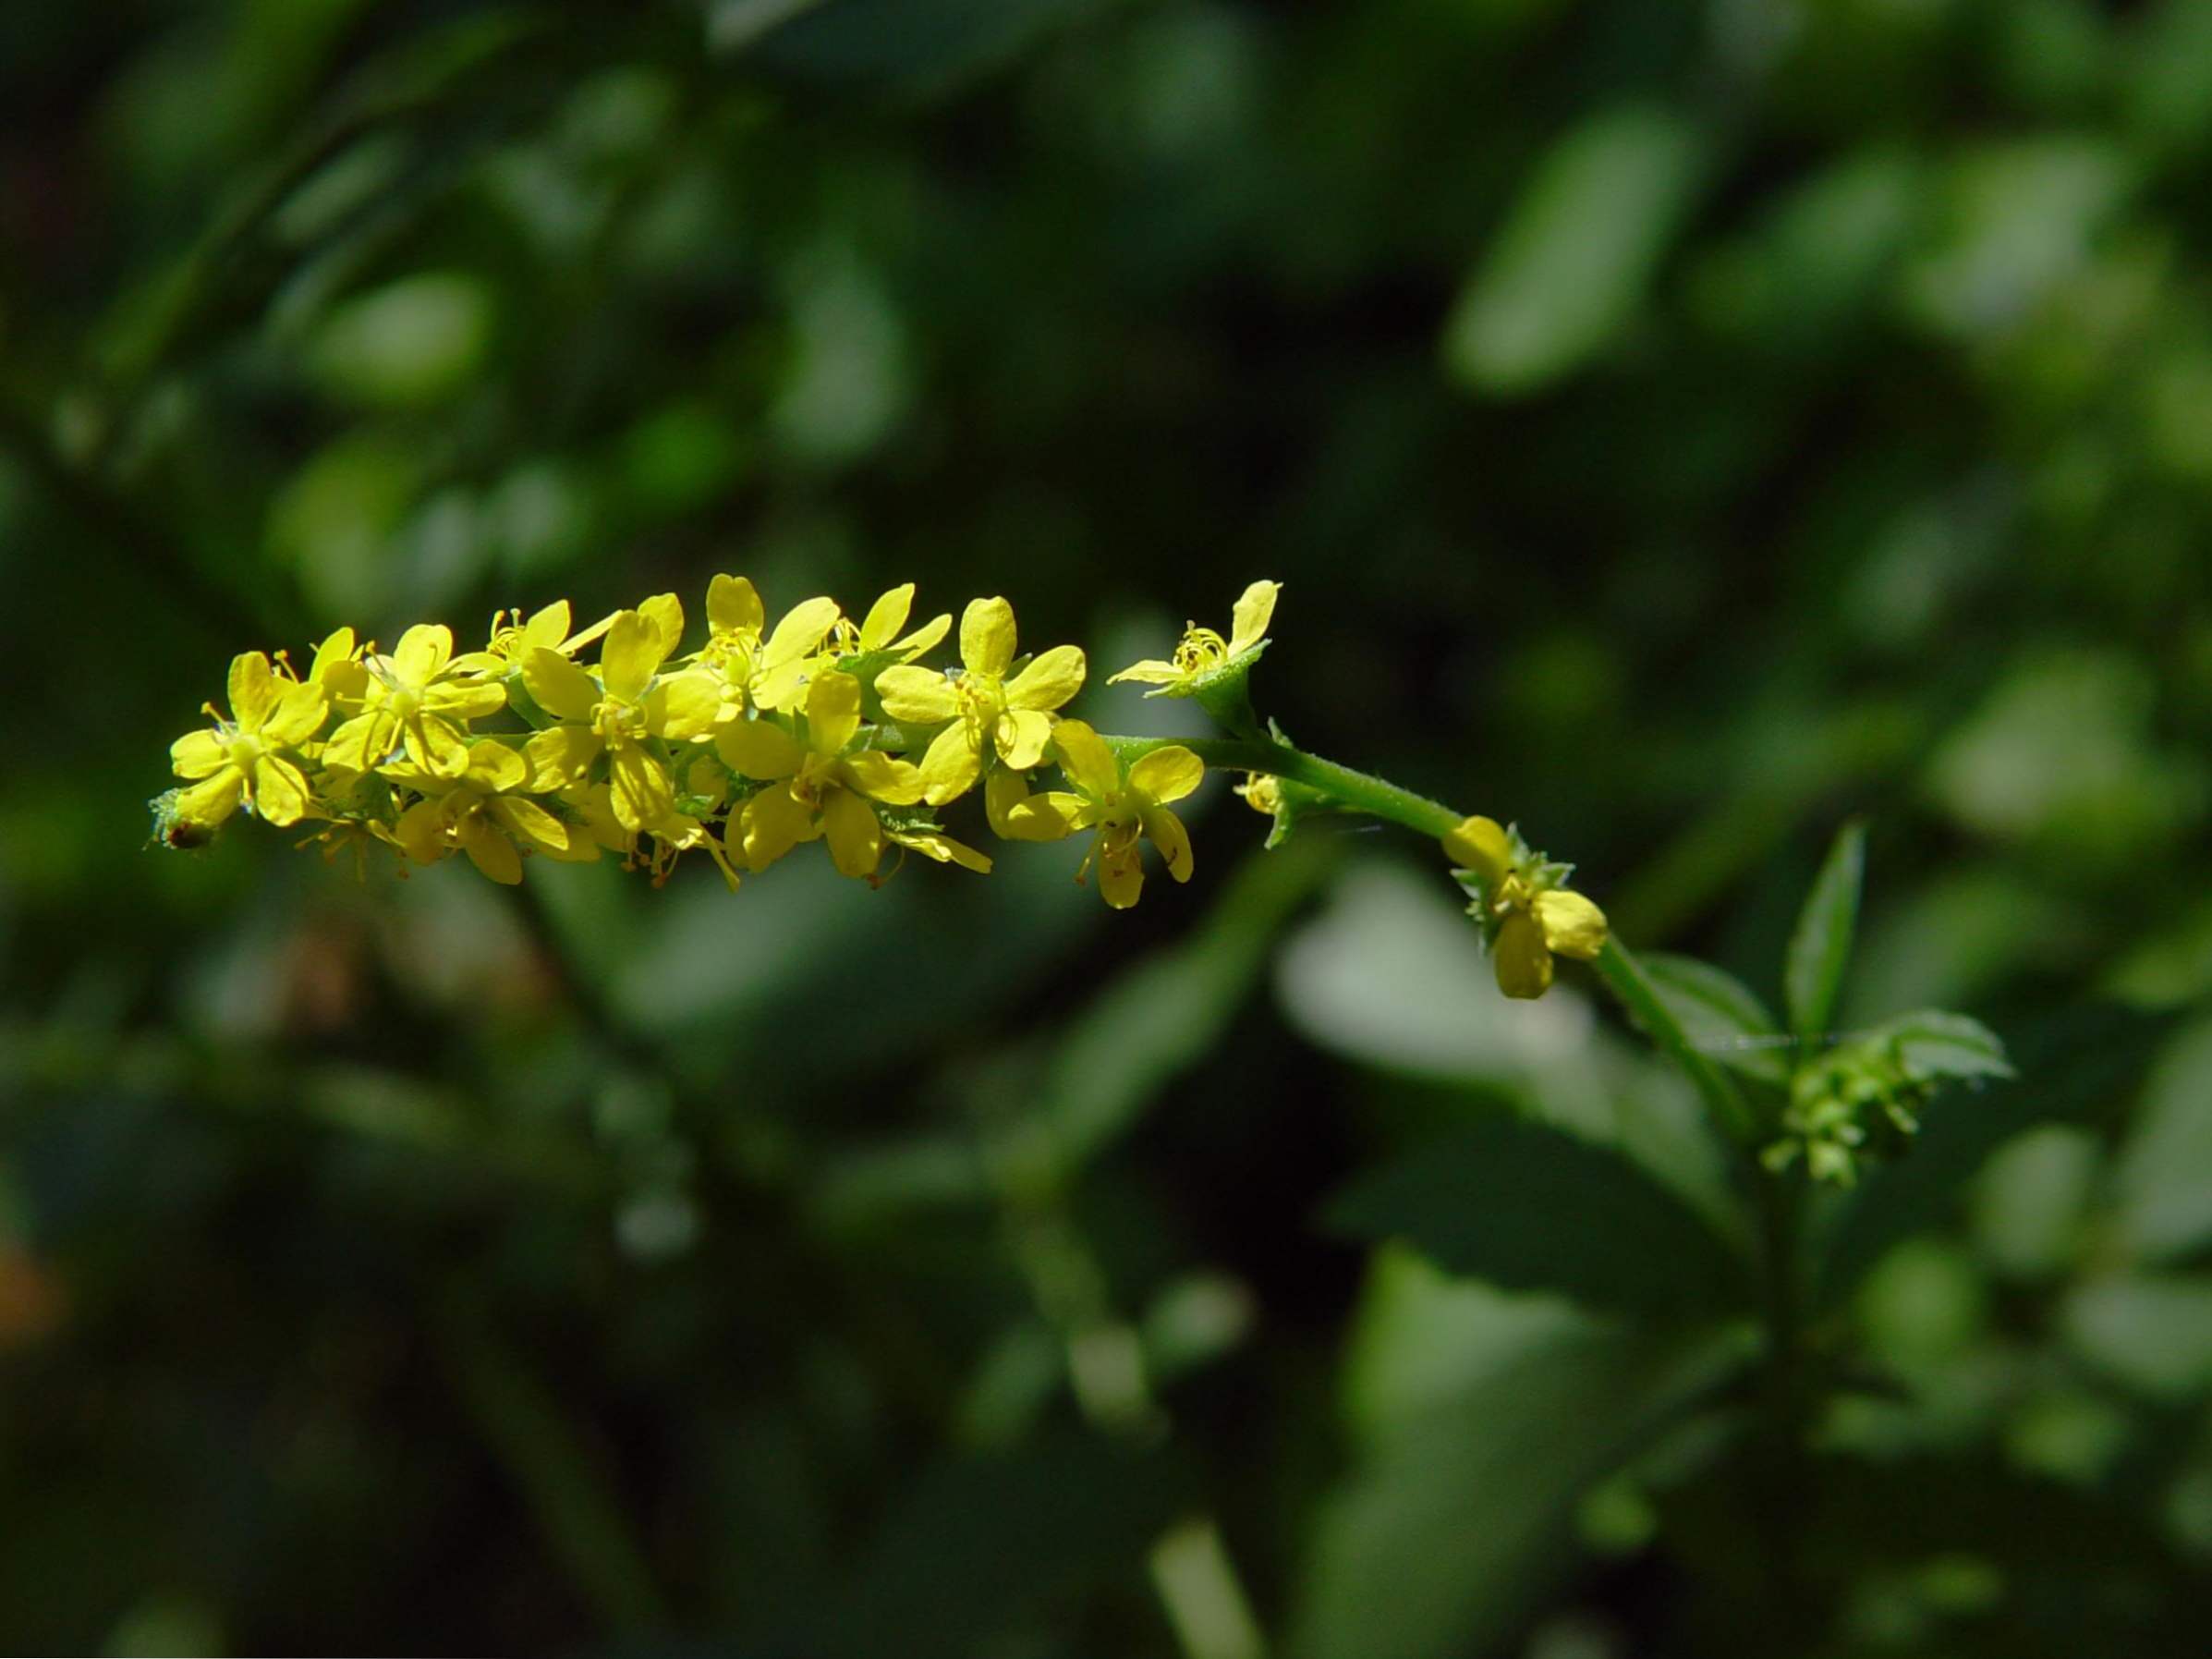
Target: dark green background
1677	427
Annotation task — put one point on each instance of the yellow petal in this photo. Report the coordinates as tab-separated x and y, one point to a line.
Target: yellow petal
1151	672
833	712
1524	961
466	700
1164	775
1249	623
197	754
333	653
1120	876
886	617
783	688
205	805
881	777
422	651
533	823
682	707
773	822
855	838
800	633
925	638
1572	925
951	765
734	607
1049	681
493	767
435	747
559	756
759	749
1022	737
561	688
296	716
987	636
548	628
1166	832
630	656
936	844
492	852
1084	756
665	612
421	833
362	742
253	691
643	796
1003	793
1479	844
1052	816
918	696
280	794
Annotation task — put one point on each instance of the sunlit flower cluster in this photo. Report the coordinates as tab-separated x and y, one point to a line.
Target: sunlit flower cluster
756	741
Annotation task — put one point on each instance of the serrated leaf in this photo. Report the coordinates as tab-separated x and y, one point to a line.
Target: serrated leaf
1820	946
1720	1015
1526	1206
1575	254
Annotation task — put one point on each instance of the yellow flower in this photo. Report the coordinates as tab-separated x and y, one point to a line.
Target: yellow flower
754	672
1527	915
1125	810
512	639
631	705
989	714
239	760
1261	792
817	788
481	815
337	668
419	701
879	630
1202	653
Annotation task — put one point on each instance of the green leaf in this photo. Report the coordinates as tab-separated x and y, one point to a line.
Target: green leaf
1820	947
1576	252
1478	1420
1720	1015
1934	1043
1529	1207
2070	1069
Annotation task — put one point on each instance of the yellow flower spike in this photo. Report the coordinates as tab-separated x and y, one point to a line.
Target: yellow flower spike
239	759
817	789
479	815
419	703
1125	810
990	714
1202	653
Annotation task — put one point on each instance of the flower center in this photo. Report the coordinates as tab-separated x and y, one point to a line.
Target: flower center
1200	651
244	751
618	722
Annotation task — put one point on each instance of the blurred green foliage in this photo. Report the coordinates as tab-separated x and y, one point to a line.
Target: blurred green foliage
1678	428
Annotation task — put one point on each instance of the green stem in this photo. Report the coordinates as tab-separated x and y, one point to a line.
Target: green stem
1362	792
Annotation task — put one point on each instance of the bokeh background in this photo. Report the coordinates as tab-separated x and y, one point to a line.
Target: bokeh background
1678	427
